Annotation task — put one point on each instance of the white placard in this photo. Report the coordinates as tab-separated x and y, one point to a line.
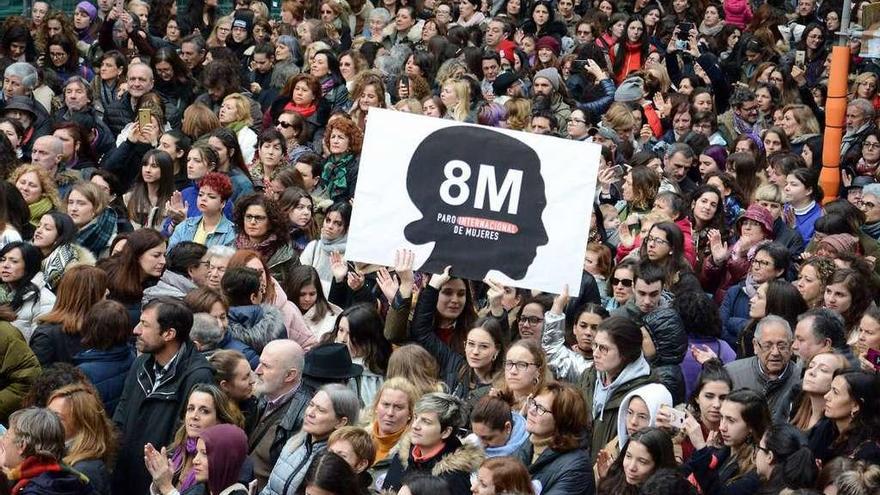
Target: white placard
509	205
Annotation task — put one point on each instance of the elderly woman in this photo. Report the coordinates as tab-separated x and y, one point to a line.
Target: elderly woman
33	452
235	114
335	405
433	448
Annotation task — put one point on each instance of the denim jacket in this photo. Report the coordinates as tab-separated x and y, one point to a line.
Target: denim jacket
223	235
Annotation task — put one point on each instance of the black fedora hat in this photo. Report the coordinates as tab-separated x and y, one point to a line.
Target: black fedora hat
330	362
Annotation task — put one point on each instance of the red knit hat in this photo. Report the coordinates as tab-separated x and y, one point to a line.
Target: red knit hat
761	215
550	43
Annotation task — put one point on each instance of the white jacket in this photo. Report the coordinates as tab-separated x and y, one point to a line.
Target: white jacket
32	307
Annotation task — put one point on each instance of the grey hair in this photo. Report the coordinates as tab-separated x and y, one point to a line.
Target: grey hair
771	320
448	408
872	189
346	403
292	44
139	65
380	12
39	432
206	331
220	252
26	72
682	148
56	144
865	106
85	84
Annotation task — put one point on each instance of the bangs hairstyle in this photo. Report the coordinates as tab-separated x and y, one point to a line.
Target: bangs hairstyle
569	410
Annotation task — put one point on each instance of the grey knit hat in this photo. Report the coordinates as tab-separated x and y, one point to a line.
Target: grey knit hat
631	89
550	74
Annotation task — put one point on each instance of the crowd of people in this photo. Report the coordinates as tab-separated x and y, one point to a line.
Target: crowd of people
177	315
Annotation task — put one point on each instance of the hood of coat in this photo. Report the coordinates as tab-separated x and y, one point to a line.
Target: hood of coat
654	395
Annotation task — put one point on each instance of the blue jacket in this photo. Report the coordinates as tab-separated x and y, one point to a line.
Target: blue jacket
806	223
229	343
734	314
107	371
223	235
190	196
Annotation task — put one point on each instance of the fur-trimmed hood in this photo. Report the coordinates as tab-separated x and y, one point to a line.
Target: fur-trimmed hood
456	456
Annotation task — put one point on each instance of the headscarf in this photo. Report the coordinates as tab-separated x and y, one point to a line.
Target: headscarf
226	446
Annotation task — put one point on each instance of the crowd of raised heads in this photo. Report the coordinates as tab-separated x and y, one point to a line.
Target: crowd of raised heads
178	317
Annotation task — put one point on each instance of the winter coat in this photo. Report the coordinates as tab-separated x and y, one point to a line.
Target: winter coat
18	368
158	406
292	464
229	343
106	370
282	261
256	325
36	303
598	106
454	368
325	324
119	160
97	473
737	13
670	341
223	235
51	344
170	284
605	423
566	364
294	321
454	463
518	437
734	314
788	237
121	112
273	430
559	473
747	373
709	469
42	480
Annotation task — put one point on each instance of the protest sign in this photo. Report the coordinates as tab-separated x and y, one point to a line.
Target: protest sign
489	202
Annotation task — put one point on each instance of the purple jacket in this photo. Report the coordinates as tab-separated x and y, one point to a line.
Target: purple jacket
690	368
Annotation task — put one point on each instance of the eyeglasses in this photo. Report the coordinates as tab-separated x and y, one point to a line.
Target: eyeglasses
762	263
867	204
577	121
657	240
538	408
530	320
255	218
621	281
57	54
769	346
285	125
519	365
871	144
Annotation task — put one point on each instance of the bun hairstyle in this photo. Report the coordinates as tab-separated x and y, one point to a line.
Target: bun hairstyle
794	465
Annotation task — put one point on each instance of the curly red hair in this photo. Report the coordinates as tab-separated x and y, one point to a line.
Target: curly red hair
220	183
350	129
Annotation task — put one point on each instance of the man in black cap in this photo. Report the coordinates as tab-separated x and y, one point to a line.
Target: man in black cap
506	86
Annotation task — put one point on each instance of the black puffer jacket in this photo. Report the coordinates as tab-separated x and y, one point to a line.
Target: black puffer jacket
670	341
122	111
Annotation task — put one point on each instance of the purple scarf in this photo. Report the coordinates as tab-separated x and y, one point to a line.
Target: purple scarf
177	460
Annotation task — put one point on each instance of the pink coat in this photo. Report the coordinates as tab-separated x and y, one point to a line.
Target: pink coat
737	13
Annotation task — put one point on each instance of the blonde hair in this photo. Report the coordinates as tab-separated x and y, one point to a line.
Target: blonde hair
95	436
400	384
768	192
212	39
242	108
417	365
862	79
50	190
414	105
93	194
619	116
519	111
804	117
462	91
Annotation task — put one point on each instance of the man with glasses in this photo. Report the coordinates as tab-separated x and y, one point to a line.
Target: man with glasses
771	371
742	116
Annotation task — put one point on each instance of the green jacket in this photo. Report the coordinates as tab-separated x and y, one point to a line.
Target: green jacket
18	368
604	427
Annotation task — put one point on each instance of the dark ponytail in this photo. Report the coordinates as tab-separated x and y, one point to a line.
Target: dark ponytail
794	465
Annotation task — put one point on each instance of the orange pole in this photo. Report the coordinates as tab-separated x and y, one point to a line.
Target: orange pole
835	122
